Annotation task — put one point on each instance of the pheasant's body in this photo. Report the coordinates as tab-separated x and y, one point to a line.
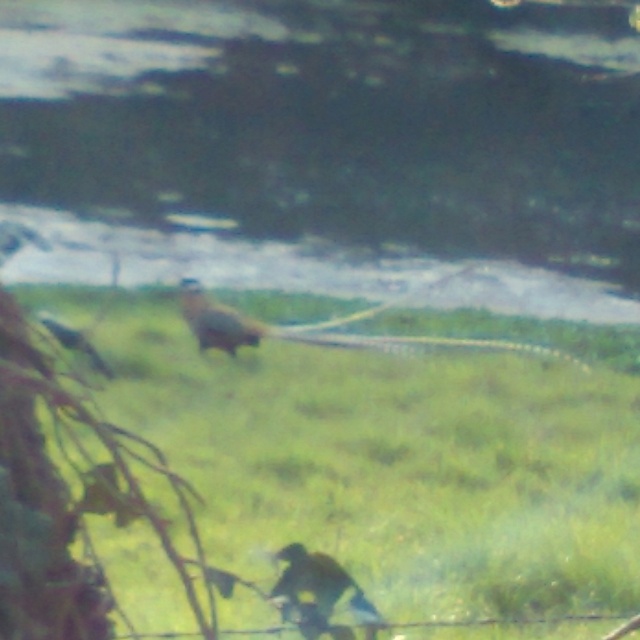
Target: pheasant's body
217	326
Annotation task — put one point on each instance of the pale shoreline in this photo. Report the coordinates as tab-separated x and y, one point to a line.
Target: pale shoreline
85	253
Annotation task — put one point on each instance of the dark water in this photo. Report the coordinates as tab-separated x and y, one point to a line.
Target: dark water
368	123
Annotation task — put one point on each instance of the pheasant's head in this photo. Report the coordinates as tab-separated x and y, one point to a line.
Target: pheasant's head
292	553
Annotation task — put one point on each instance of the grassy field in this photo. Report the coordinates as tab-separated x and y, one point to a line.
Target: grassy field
457	485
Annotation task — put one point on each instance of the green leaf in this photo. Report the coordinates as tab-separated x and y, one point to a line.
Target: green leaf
222	580
103	496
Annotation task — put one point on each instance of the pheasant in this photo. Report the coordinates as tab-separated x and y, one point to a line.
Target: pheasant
215	325
219	326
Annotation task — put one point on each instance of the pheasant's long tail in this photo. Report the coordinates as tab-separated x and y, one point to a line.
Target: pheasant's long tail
371	312
421	344
335	340
418	345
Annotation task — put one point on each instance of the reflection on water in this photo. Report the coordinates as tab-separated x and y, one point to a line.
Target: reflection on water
58	50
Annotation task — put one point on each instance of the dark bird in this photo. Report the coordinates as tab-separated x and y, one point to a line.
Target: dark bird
319	575
76	340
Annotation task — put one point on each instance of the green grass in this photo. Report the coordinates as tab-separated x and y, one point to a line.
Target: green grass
454	486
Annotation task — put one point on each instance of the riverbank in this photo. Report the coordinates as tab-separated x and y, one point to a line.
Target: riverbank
86	252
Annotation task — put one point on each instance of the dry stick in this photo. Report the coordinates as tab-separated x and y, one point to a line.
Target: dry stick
626	628
89	548
210	632
193	529
178	484
164	468
172	477
91	552
104	307
105	434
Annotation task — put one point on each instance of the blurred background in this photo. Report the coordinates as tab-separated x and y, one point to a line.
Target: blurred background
453	128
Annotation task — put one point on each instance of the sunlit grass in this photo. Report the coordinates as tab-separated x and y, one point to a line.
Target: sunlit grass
456	485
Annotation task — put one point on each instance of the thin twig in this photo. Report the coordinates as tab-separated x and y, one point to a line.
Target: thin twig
627	627
209	631
90	551
163	468
105	306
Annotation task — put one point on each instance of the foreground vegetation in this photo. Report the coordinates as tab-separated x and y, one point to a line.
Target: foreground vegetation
454	486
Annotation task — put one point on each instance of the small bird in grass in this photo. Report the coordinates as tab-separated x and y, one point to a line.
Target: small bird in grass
319	575
75	340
